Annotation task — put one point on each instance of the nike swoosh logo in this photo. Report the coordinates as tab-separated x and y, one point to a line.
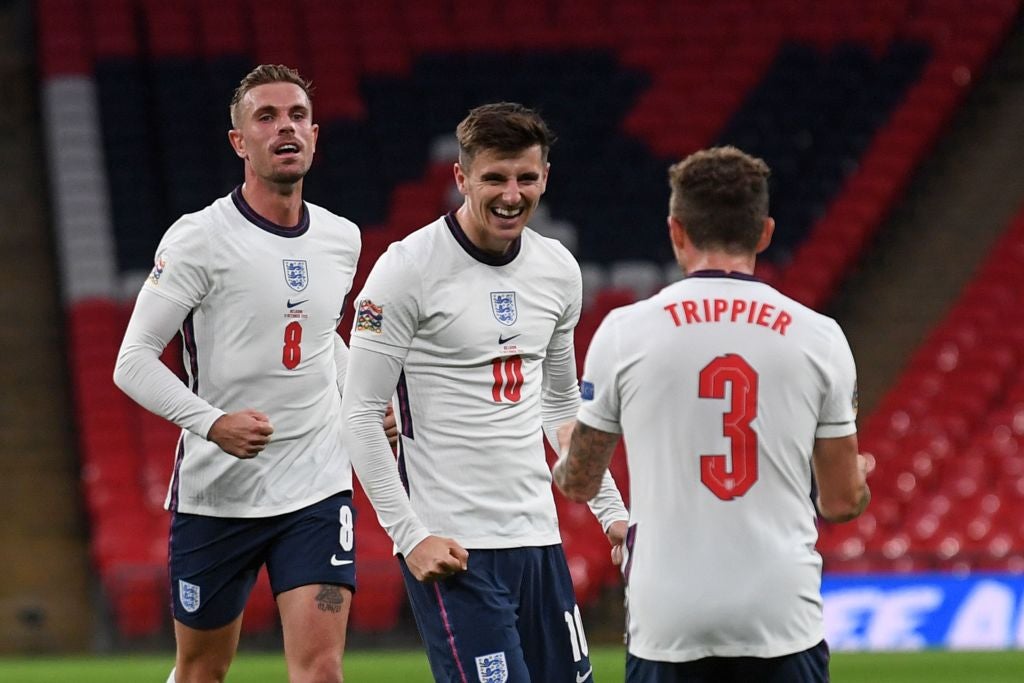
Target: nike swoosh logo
506	340
580	677
335	562
292	304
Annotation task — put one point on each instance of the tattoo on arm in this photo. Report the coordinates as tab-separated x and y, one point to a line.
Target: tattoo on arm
330	598
579	475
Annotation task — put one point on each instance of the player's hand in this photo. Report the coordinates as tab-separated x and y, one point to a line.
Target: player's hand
391	427
617	537
564	436
436	557
243	434
865	464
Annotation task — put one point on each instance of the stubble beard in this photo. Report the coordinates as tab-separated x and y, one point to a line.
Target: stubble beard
287	177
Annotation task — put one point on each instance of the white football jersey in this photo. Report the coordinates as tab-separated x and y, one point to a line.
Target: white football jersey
720	385
474	331
265	303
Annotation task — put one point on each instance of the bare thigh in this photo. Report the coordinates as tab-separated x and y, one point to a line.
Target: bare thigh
314	619
204	655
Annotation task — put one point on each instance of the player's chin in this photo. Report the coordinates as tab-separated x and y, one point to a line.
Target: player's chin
506	233
288	176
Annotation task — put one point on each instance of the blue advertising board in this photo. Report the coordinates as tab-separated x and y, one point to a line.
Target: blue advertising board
917	611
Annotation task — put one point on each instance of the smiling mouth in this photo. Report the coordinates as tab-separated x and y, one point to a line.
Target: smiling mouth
508	214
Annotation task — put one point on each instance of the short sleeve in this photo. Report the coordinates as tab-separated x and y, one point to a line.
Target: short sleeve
180	273
599	389
387	309
838	416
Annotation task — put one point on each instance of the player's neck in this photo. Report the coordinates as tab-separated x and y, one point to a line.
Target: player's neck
478	235
279	204
718	260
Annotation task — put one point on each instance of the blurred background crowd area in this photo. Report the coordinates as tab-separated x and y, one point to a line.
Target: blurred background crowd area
893	129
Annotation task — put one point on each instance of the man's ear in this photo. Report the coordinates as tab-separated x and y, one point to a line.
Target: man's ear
677	233
544	178
237	142
680	241
460	177
766	234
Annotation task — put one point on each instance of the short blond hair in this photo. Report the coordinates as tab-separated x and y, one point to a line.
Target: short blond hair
262	75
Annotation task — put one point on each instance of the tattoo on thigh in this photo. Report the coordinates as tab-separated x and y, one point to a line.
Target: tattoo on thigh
329	599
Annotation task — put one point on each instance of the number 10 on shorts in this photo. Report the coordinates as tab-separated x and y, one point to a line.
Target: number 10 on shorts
574	623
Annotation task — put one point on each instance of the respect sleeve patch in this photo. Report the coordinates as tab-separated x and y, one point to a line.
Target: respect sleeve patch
369	317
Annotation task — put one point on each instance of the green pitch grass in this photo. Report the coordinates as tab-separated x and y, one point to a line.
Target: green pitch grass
378	666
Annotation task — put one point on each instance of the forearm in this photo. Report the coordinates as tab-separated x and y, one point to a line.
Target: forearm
371	379
375	466
841	474
560	395
607	505
580	473
141	374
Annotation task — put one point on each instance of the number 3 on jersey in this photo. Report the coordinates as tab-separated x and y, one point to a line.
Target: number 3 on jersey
292	353
715	472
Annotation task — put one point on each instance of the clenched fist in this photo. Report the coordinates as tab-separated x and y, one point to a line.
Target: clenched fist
243	434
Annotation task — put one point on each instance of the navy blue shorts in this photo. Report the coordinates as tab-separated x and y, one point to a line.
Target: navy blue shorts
512	616
214	560
809	666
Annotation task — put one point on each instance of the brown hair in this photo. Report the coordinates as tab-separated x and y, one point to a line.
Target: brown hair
720	195
262	75
505	127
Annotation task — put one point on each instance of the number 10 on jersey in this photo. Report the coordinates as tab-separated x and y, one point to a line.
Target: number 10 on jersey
508	379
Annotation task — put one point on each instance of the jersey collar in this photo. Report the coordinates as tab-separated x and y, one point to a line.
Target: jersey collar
476	252
724	273
263	224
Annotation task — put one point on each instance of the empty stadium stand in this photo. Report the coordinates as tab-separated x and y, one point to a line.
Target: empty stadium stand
949	439
45	593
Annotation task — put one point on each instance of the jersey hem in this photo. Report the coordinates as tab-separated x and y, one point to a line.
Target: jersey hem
492	543
835	431
253	513
692	654
588	418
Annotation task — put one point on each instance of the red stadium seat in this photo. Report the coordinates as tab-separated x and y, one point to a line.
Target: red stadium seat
170	28
380	595
138	595
63	46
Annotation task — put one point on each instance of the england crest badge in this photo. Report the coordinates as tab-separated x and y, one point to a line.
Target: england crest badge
503	305
188	594
492	668
296	274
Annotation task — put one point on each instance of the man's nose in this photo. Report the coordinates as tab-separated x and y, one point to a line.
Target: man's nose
511	193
